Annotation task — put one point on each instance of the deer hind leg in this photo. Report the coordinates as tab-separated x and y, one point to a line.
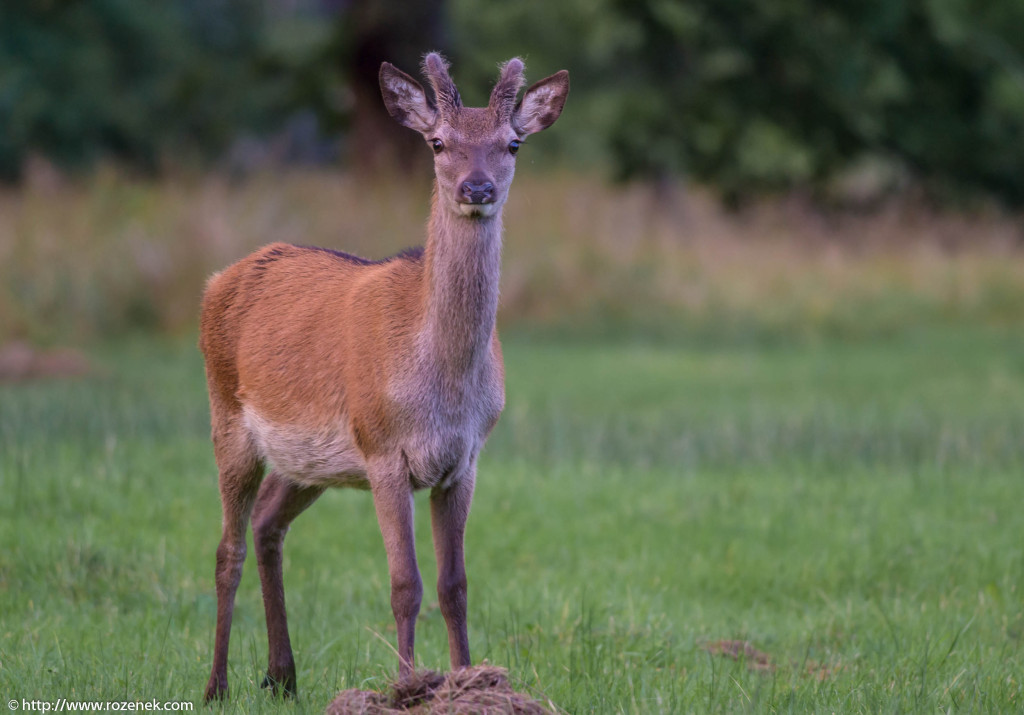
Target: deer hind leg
449	509
240	472
279	501
392	498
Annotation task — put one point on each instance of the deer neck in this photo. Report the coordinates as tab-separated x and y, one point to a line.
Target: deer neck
462	271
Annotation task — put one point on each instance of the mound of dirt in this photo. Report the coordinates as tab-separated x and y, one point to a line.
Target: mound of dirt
482	690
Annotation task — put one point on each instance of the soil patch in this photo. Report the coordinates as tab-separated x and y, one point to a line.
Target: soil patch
21	361
741	650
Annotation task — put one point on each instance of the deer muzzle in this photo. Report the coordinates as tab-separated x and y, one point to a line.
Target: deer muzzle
476	190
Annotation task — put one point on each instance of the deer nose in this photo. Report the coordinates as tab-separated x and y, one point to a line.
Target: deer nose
477	191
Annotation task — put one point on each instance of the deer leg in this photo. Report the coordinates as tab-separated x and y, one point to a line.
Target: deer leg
279	501
449	509
240	472
392	498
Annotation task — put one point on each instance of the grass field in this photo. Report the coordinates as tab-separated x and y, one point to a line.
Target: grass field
852	508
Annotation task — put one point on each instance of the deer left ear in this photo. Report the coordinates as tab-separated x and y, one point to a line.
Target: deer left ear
541	104
405	99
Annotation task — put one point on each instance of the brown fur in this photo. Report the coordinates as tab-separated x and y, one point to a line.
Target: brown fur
385	375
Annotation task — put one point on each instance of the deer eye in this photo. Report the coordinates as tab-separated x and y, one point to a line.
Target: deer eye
513	146
437	145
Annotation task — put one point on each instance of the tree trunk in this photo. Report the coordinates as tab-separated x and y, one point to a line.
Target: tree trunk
400	33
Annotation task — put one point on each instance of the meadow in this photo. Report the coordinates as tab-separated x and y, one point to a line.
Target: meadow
813	449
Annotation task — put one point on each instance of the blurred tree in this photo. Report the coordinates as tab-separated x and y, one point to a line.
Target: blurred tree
584	36
135	79
371	32
752	96
744	95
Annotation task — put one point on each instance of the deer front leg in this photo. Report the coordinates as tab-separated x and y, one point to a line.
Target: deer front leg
392	497
449	509
278	502
240	473
230	557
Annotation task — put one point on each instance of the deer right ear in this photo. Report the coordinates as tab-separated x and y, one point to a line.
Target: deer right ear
541	104
405	99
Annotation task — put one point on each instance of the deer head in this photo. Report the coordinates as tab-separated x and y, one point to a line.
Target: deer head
474	147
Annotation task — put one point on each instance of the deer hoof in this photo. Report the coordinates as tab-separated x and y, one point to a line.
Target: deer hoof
215	690
285	684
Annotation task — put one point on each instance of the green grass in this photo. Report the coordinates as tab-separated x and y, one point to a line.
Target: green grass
851	508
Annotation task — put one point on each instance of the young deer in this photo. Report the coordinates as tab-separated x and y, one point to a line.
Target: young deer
386	375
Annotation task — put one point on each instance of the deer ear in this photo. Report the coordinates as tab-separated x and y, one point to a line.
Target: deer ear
405	99
541	104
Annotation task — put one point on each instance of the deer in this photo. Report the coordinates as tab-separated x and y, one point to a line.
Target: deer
330	370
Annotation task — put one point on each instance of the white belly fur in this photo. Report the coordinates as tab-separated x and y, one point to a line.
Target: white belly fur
327	458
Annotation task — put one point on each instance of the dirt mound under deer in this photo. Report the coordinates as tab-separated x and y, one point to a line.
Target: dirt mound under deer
480	690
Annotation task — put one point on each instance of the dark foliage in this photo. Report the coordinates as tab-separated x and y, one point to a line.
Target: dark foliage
752	96
744	95
131	79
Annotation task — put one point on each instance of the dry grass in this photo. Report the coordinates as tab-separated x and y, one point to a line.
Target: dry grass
109	255
633	256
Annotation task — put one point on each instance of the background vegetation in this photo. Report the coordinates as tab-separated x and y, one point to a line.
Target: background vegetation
581	257
743	95
868	154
